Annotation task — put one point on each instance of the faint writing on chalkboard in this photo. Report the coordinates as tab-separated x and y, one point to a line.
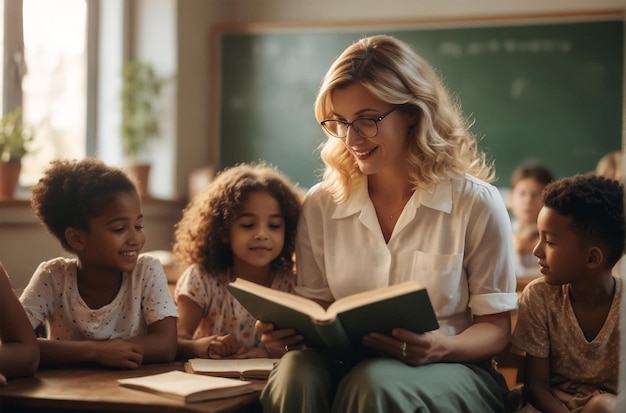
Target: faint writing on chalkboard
508	46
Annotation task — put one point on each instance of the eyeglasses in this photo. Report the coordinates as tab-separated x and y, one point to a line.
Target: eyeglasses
365	127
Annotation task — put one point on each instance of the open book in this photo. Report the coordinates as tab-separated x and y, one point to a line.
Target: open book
188	387
341	327
254	368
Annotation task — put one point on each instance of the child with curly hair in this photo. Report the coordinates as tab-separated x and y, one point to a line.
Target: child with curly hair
568	320
243	225
109	305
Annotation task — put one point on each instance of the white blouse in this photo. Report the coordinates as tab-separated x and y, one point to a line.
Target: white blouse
455	240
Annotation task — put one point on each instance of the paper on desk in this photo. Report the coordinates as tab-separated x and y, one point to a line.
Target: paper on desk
188	387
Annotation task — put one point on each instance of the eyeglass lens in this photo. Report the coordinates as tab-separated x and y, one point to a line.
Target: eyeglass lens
366	128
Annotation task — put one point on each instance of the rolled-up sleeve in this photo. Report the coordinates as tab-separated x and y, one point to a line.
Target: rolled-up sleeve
489	256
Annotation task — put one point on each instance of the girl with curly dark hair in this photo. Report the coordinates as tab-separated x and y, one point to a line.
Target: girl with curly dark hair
243	225
109	305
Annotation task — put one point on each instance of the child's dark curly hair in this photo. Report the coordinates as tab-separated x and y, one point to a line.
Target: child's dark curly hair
71	192
596	205
206	220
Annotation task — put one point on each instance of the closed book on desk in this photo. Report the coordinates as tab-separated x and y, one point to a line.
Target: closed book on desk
254	368
188	387
342	326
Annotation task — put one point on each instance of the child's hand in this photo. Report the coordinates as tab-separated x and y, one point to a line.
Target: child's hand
224	346
201	345
119	354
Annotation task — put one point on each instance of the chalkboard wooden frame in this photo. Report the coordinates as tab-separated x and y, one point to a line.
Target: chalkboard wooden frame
535	140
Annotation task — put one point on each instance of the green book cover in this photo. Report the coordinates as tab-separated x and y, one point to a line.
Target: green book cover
341	327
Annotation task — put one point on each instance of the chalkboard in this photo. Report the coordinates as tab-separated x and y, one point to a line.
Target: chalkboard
547	93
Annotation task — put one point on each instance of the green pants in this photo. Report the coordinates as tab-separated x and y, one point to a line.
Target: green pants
311	381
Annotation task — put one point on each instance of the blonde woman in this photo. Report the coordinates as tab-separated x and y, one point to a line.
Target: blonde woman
405	195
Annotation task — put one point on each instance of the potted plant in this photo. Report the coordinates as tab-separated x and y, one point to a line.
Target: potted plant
140	89
14	140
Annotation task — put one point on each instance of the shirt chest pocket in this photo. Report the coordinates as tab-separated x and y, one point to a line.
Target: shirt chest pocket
444	277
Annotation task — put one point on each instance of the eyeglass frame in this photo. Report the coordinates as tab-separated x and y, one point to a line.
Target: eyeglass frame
349	124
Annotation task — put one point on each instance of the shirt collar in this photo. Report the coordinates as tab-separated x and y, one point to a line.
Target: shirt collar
438	198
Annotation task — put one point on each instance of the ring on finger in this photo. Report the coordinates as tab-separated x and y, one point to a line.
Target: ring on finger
286	348
404	349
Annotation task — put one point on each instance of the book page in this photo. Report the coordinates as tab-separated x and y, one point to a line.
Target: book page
184	385
367	297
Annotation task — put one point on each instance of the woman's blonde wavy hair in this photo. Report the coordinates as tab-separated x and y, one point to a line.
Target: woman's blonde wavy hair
439	145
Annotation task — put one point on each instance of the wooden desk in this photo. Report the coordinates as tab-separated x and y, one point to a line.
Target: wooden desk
97	390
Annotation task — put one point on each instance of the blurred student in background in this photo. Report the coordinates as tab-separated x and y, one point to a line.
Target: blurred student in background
525	202
610	166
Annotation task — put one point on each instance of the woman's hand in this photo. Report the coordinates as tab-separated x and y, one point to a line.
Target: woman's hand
411	348
278	342
487	336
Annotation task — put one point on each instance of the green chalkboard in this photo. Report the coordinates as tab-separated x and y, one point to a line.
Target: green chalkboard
548	93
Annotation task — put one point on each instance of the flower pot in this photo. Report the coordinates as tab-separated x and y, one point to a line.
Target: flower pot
9	177
140	174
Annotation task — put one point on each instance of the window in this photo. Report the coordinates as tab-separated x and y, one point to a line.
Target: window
54	86
62	65
53	93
